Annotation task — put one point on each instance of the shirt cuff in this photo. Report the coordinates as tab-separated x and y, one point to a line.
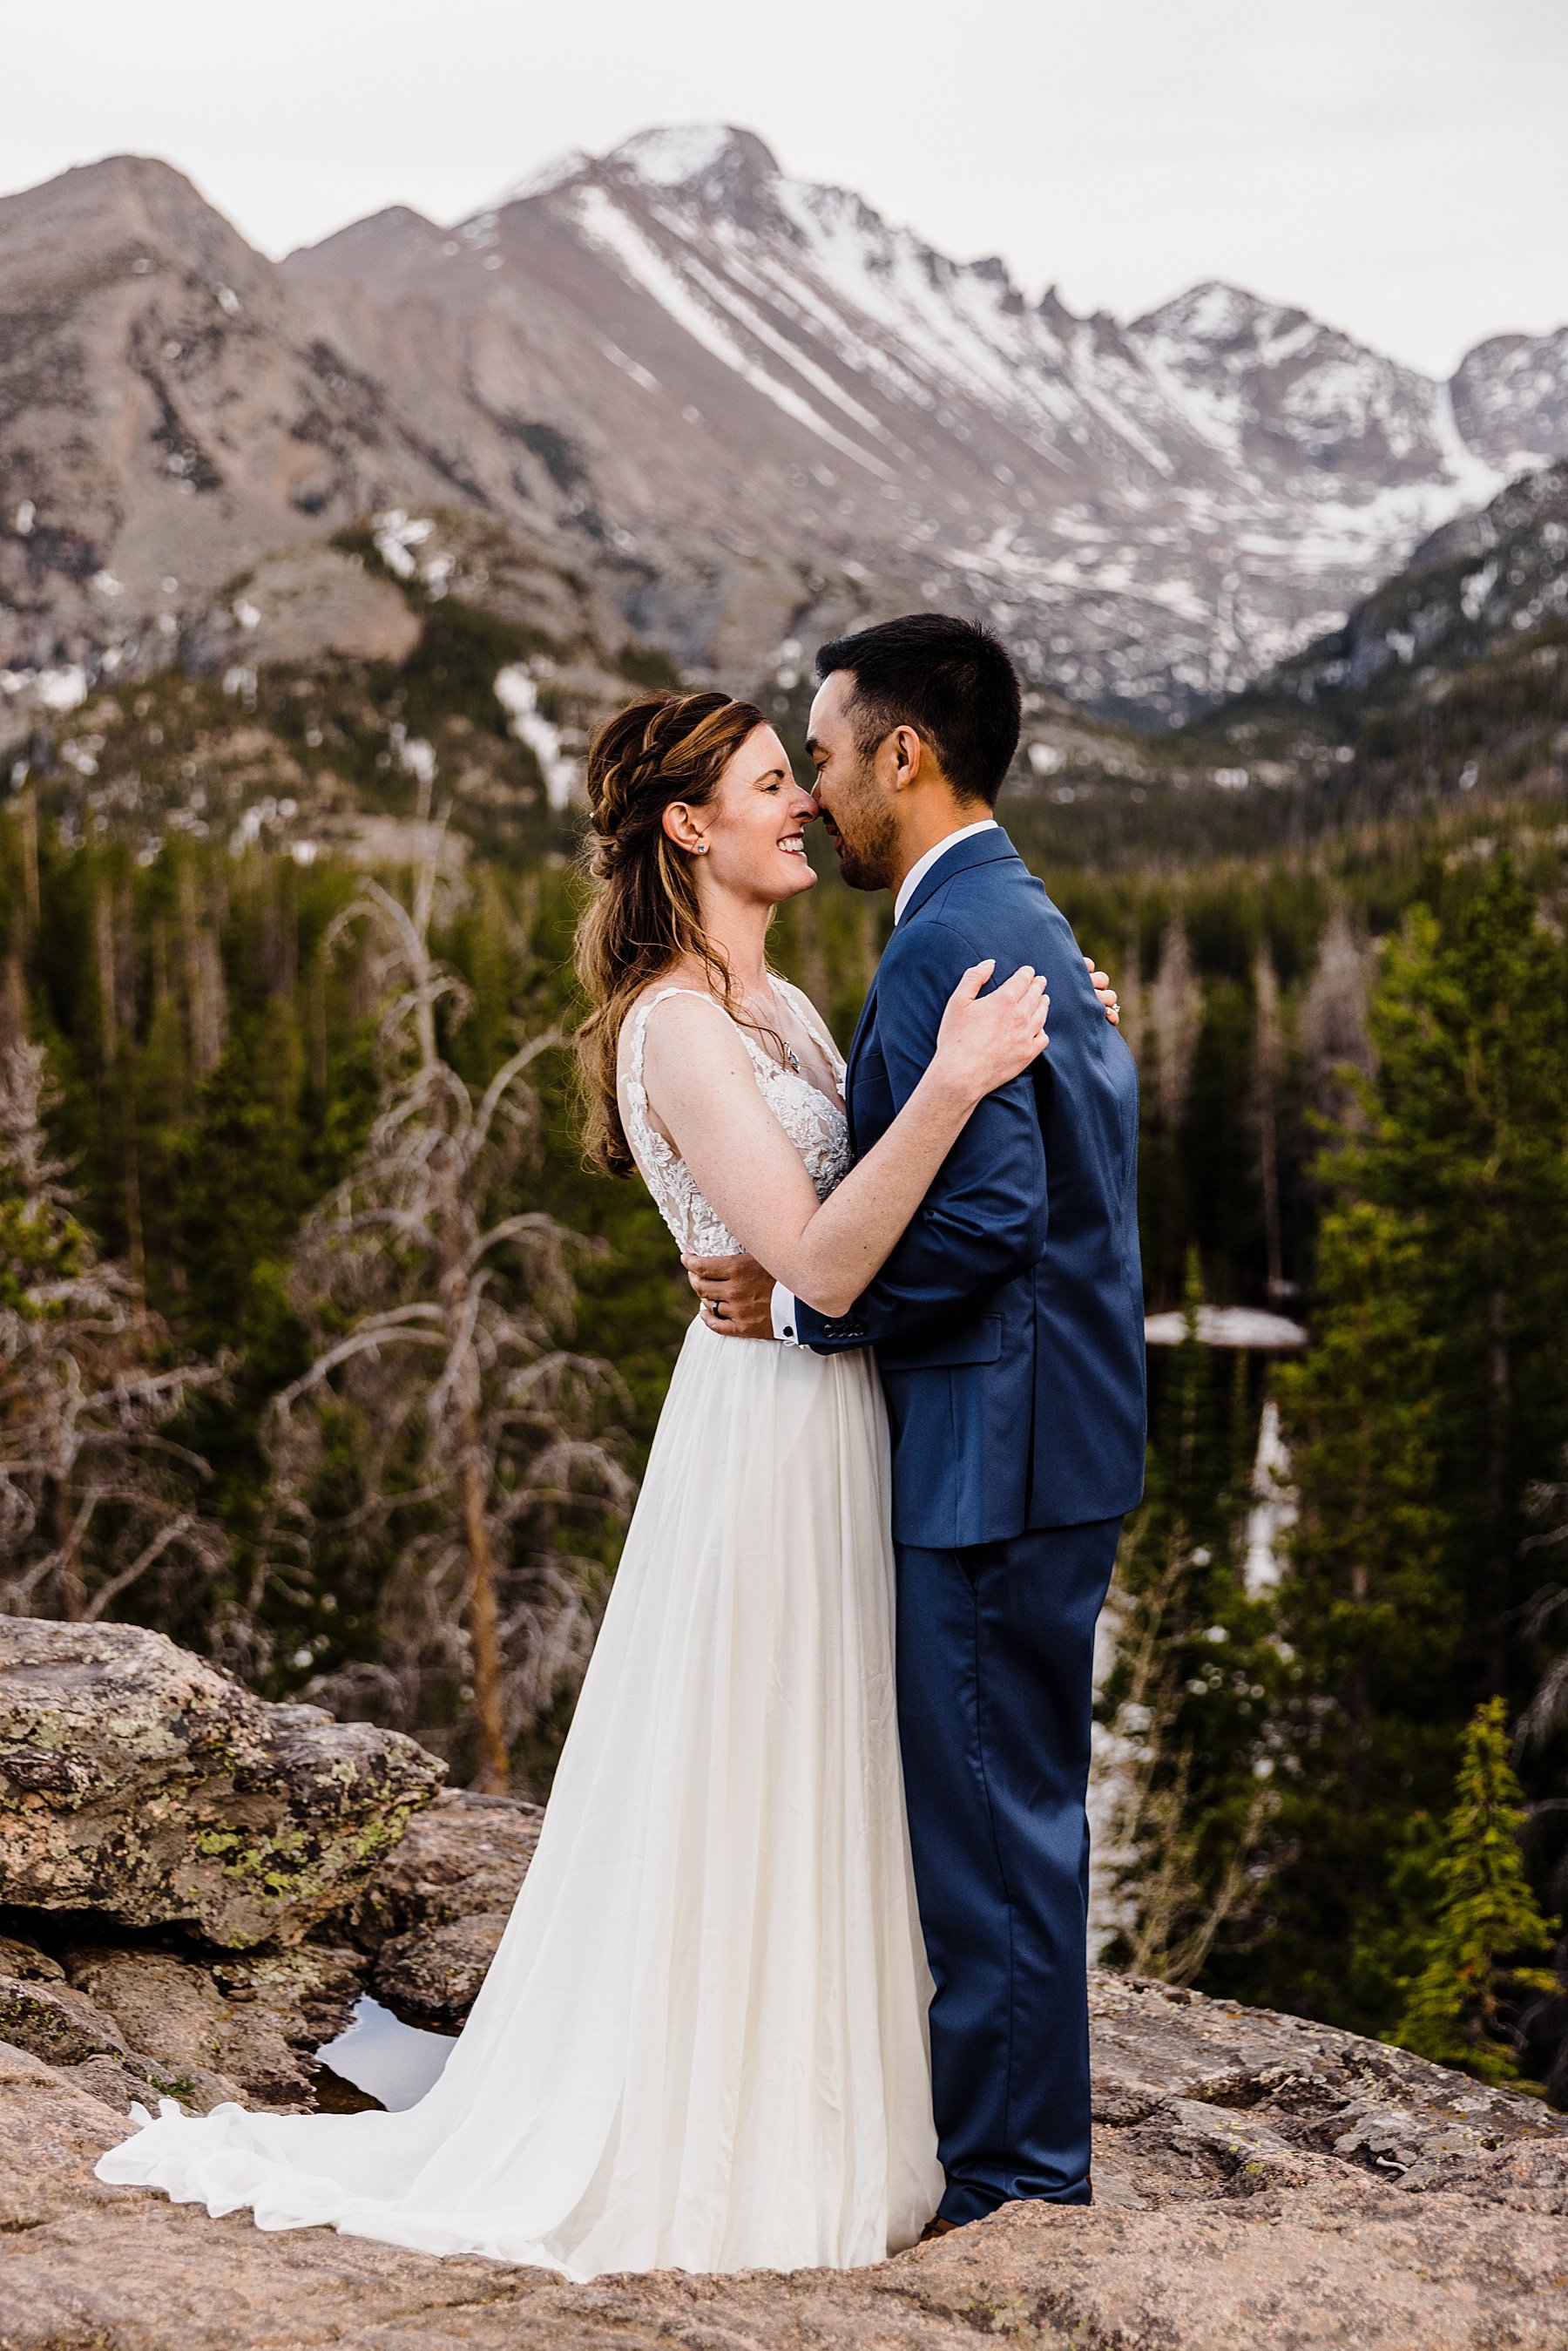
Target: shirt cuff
784	1315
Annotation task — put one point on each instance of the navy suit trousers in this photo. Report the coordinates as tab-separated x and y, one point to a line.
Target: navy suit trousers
995	1658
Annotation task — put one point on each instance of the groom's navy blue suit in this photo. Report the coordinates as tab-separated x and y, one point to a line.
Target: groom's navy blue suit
1008	1325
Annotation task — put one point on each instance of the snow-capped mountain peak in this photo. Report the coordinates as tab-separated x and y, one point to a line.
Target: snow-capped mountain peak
1168	505
693	155
1217	316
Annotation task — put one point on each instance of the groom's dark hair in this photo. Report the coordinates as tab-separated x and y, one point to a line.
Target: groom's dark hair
951	680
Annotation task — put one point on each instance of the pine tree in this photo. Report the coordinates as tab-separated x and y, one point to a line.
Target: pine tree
1373	1628
1435	1394
1463	1139
1489	1926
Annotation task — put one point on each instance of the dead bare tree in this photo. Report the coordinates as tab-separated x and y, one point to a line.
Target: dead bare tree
1333	1038
95	1497
435	1322
1174	1018
1268	1061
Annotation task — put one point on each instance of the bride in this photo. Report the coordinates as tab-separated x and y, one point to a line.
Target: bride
703	2041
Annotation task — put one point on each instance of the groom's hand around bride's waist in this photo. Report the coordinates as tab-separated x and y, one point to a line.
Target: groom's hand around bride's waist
736	1294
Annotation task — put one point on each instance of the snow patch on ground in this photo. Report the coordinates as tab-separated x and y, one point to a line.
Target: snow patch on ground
518	695
65	688
414	755
1475	482
1227	1326
396	536
1275	1506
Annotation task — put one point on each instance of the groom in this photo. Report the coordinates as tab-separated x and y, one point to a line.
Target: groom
1008	1324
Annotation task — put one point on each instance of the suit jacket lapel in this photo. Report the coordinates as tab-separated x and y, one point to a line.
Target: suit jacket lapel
987	848
863	1025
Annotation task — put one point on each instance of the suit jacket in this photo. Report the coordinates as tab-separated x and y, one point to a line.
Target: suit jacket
1008	1321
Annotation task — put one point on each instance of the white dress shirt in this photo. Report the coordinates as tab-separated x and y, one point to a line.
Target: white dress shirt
784	1312
922	865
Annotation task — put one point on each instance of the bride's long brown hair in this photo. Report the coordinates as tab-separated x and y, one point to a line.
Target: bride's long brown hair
644	916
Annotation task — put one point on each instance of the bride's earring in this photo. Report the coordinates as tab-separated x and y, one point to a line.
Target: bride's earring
702	849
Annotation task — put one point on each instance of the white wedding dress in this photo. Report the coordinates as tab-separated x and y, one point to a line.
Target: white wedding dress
703	2041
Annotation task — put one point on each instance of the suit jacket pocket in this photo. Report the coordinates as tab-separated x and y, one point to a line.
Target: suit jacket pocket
978	1340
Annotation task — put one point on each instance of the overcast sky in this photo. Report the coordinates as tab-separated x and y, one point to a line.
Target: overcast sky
1398	166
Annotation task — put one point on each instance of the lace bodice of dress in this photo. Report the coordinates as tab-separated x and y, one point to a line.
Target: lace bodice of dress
816	1125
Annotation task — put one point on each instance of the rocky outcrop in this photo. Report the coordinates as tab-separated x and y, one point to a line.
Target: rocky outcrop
437	1907
1264	2184
301	604
43	2012
162	2011
1260	2180
142	1785
1195	2095
128	2017
244	2027
198	1887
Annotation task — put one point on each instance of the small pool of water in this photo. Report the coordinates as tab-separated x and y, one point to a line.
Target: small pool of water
392	2064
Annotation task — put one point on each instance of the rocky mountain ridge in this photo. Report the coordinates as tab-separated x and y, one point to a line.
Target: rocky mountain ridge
733	409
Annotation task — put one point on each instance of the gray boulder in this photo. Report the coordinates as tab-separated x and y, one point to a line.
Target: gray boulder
144	1785
128	2018
244	2027
435	1910
1198	2097
54	2022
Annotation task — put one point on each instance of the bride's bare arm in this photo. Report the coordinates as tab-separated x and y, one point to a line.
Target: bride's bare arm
701	1084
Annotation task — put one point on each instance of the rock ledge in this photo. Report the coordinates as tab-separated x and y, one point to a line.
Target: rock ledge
142	1784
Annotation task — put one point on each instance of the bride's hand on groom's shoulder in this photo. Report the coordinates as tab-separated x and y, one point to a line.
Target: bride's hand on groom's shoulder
984	1042
737	1295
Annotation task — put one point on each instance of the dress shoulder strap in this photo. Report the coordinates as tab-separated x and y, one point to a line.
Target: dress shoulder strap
637	1048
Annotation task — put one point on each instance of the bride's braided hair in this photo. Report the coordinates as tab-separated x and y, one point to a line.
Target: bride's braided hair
644	915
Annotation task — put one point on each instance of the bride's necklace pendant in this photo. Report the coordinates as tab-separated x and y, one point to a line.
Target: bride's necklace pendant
792	1059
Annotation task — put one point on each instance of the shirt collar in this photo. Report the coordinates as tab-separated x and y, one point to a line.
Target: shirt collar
922	865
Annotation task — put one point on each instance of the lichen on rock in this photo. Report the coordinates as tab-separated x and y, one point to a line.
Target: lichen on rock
140	1783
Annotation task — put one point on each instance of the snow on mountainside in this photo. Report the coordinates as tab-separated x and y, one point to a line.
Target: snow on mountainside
740	406
1485	583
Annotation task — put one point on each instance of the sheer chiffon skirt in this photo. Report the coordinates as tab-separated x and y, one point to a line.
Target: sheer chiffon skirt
703	2041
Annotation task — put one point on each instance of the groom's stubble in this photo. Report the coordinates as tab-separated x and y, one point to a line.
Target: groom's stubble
865	831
